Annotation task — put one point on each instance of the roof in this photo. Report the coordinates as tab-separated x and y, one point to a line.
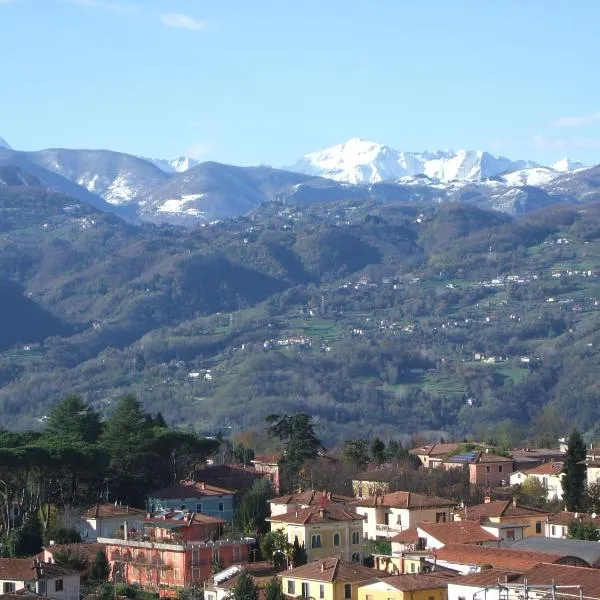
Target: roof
477	457
87	549
582	549
435	449
269	459
499	558
566	517
408	536
549	468
333	569
536	453
458	532
488	577
312	498
190	489
314	514
232	477
177	519
500	508
108	510
404	500
588	579
261	572
31	569
412	582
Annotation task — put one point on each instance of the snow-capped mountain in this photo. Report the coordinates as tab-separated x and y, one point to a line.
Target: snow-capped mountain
362	162
174	165
4	144
566	164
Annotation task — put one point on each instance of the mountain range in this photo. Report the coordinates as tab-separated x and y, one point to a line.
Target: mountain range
184	192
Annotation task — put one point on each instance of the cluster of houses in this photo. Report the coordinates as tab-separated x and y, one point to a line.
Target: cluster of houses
418	547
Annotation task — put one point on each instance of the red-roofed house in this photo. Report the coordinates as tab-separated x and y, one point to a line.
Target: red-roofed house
485	469
103	520
306	499
46	579
549	474
268	465
557	525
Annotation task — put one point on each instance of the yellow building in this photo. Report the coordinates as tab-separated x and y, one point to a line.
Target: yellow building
324	531
422	586
326	579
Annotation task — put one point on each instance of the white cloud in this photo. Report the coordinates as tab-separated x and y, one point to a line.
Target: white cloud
577	120
541	141
200	150
181	21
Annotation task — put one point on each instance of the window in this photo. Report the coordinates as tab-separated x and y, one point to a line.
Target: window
291	588
58	585
336	539
315	541
305	591
347	590
500	469
199	507
399	520
462	598
321	591
183	507
553	530
8	586
538	527
412	567
487	469
440	517
221	506
356	537
510	534
356	557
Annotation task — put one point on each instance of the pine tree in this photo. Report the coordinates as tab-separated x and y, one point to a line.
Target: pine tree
273	590
378	450
573	481
299	554
29	539
100	568
244	588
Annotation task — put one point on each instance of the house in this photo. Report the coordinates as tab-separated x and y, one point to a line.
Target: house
158	559
324	531
527	458
376	481
306	499
219	586
46	579
485	469
180	526
557	525
432	455
268	465
389	514
507	519
237	478
421	586
549	474
196	497
326	579
103	520
579	553
592	466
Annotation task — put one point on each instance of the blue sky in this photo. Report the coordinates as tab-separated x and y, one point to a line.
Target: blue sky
265	81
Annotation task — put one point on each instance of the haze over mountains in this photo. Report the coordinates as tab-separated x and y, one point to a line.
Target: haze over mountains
183	191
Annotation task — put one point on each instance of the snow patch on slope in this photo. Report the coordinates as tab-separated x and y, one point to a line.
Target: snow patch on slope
177	206
174	165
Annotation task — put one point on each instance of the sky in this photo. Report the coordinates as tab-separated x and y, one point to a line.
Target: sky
266	81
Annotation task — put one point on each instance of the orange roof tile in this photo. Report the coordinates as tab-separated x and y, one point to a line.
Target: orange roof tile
488	577
500	508
187	521
408	536
107	510
566	518
588	579
404	500
458	532
311	498
413	582
435	449
315	514
333	569
190	489
549	468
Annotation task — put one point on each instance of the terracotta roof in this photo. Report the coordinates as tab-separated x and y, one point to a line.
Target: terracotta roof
185	520
404	500
499	558
549	468
30	569
408	536
458	532
488	577
87	549
500	508
270	459
435	449
588	579
566	518
107	510
478	458
413	582
190	489
536	453
332	569
315	514
311	498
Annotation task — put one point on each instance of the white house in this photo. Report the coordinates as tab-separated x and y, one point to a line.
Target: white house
104	520
558	524
549	474
54	581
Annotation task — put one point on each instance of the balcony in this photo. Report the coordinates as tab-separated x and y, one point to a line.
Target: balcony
388	530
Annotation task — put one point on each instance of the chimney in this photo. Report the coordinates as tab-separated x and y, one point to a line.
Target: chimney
514	501
125	530
203	486
328	496
487	499
322	513
322	566
52	542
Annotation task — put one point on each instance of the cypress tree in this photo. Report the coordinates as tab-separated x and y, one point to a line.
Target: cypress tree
573	481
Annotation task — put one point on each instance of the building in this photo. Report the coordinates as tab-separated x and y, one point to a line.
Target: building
485	469
549	475
196	497
592	466
237	478
307	499
432	455
46	579
324	531
579	553
219	586
181	526
421	586
470	585
557	525
163	556
389	514
268	465
103	520
527	458
506	519
326	579
377	481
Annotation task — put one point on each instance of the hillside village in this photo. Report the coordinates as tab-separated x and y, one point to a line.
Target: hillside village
376	542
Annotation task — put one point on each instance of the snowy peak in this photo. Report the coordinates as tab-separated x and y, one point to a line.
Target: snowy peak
4	144
360	161
174	165
566	164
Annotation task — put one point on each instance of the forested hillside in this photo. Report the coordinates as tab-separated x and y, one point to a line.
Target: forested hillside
373	318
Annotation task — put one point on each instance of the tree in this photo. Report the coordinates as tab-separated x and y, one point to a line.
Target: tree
73	419
244	588
28	540
573	482
273	590
275	547
100	568
71	558
299	554
356	452
253	509
593	498
378	451
531	493
578	530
